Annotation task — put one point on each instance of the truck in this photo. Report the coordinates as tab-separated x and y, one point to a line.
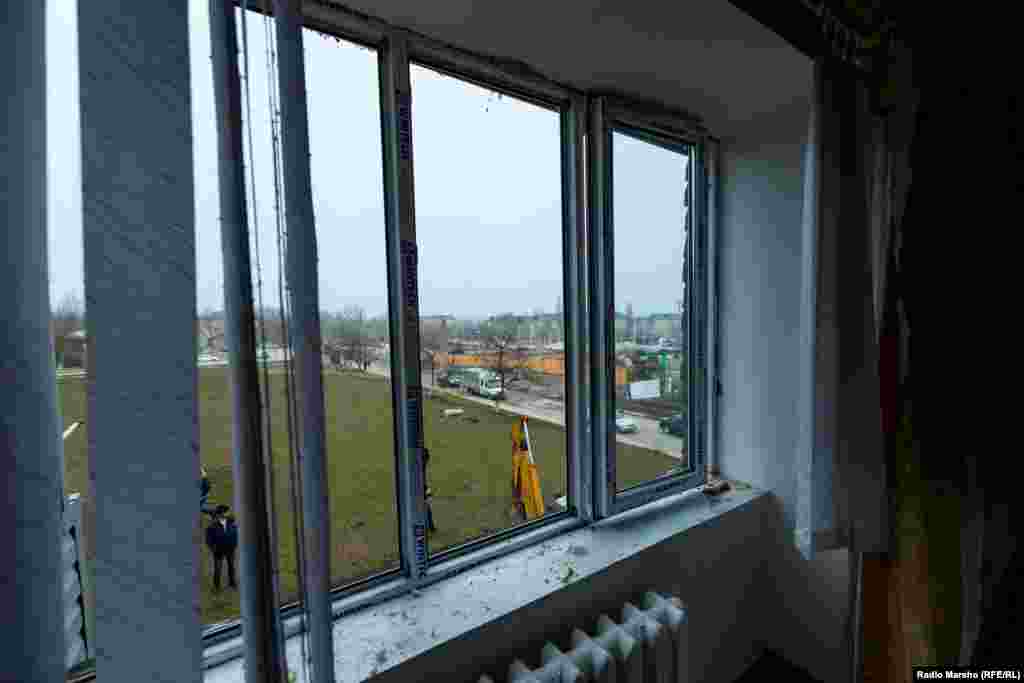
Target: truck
455	376
483	383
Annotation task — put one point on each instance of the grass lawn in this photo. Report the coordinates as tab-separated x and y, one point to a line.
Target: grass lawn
470	471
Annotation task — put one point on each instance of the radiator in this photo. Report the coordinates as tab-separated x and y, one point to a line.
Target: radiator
647	645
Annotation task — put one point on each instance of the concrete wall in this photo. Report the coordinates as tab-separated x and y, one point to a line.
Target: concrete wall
721	571
760	287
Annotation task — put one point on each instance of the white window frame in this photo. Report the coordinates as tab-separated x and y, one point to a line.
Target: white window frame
583	259
684	134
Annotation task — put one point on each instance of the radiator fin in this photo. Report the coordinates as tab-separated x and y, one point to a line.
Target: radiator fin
648	645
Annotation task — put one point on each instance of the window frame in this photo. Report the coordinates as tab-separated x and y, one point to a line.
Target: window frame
580	115
569	108
680	133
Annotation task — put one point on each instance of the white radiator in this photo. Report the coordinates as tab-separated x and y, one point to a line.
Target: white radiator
647	645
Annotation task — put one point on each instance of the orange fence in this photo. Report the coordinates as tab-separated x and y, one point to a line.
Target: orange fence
547	363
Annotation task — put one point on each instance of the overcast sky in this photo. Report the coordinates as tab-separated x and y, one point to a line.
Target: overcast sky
488	214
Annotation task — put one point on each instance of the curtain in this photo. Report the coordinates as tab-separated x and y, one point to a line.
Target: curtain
846	237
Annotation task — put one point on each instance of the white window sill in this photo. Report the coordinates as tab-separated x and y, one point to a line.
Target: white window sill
393	630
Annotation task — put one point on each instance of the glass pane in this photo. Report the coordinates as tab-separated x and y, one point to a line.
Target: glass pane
348	210
649	190
342	87
67	325
489	231
215	480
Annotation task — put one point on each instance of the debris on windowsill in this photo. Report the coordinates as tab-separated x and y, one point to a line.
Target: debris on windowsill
570	574
716	487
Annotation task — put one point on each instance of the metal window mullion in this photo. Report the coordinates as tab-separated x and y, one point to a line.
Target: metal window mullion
692	353
264	656
573	120
698	311
301	273
403	293
711	227
599	242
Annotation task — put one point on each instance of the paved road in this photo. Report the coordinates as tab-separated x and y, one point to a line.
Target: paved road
532	405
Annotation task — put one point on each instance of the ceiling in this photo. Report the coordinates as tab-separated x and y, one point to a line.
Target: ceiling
703	56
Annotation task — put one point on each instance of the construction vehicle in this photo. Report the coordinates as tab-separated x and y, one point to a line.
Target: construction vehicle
525	478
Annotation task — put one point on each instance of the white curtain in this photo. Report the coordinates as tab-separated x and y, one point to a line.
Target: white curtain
847	213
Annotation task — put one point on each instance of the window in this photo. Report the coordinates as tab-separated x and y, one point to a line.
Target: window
349	221
650	188
68	330
489	236
457	295
348	205
648	307
460	290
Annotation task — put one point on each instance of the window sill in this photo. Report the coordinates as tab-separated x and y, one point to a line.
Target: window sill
378	629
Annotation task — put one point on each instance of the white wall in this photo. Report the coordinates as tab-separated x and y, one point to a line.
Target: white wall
760	285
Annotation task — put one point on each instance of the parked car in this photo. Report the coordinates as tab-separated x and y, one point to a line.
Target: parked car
624	424
675	424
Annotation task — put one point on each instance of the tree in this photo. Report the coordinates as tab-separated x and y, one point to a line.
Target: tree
210	331
433	341
348	340
500	336
68	316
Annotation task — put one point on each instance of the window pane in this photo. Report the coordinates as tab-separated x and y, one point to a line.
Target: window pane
215	480
489	232
649	186
348	201
67	324
348	210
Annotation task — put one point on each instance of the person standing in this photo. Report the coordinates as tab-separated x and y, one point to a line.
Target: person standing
222	540
428	494
204	492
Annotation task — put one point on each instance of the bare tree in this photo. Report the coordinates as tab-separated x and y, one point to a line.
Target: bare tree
67	316
210	331
348	339
500	336
433	341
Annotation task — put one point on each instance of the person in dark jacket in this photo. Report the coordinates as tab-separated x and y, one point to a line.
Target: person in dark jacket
204	492
428	493
222	540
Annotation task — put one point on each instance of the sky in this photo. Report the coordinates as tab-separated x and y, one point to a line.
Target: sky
487	187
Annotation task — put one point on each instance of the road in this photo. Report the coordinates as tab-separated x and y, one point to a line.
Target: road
648	435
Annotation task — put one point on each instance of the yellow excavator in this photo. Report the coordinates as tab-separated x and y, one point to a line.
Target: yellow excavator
525	480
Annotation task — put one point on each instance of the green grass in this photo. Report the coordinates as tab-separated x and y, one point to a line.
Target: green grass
470	471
